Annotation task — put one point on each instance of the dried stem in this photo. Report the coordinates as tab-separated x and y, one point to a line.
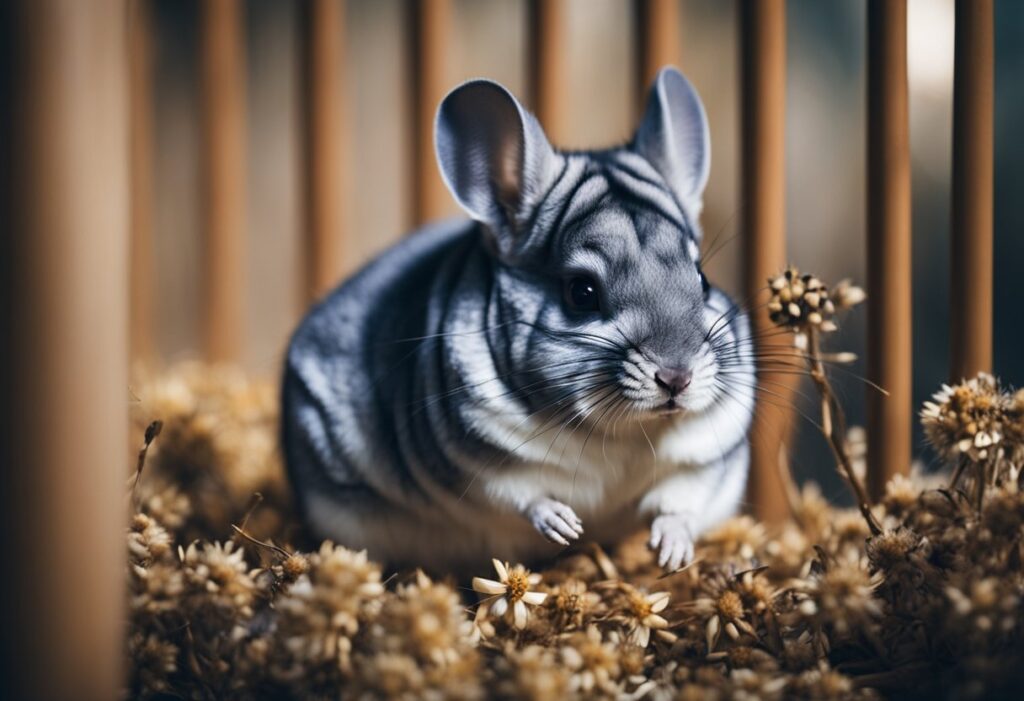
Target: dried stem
152	431
269	546
833	426
958	472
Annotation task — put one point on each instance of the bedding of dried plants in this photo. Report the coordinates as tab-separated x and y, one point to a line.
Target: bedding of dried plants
918	595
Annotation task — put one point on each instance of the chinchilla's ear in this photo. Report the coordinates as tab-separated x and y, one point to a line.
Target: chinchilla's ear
494	157
673	136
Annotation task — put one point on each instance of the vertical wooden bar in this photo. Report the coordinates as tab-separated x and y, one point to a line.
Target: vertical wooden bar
888	244
64	320
141	269
658	40
223	109
549	67
972	251
325	130
763	61
432	37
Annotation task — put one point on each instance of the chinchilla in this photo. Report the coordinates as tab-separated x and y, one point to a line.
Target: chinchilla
557	367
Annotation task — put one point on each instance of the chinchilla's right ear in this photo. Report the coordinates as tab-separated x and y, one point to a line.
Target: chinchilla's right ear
494	158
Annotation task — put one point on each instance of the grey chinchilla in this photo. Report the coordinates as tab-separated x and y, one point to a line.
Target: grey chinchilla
556	367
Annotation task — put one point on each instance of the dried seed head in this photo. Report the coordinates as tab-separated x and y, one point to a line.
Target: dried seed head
967	419
294	566
800	302
730	605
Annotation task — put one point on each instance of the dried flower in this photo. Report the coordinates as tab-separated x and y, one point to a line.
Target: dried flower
593	662
800	302
532	673
147	540
931	602
322	610
846	295
840	593
723	607
643	615
570	603
966	419
154	661
512	591
741	536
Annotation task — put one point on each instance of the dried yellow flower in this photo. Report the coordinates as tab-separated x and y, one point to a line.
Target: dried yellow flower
510	594
643	615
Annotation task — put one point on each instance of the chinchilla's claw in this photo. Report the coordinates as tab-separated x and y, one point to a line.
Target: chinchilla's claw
555	521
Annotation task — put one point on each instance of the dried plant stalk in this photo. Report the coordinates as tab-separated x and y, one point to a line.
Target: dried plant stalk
833	426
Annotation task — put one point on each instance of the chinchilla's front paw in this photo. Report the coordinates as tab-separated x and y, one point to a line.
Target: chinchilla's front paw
555	521
672	537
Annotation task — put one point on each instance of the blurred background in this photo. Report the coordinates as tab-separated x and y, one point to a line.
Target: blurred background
825	149
192	165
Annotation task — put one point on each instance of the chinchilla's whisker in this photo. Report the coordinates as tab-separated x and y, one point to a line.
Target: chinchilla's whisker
598	340
616	397
556	420
772	399
448	334
609	396
713	251
514	390
566	399
782	385
568	423
618	407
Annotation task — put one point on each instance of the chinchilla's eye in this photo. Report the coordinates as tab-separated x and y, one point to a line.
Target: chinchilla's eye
704	284
581	294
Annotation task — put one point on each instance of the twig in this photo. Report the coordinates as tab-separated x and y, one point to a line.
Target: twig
270	546
152	431
833	426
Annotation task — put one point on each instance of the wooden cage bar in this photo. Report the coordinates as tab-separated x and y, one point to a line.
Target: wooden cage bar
432	37
888	245
142	268
64	320
971	288
326	126
549	67
224	177
658	40
763	61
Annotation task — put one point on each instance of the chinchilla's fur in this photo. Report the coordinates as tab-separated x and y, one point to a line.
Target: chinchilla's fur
556	368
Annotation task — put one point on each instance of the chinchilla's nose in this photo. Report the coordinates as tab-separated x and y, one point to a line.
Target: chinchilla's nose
673	380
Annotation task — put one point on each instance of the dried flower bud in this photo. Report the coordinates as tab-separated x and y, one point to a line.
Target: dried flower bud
800	302
845	294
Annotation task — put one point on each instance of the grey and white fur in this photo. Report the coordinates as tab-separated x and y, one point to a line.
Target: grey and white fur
558	367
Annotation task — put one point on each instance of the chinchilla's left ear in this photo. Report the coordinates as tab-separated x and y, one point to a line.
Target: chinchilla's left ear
494	158
673	136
